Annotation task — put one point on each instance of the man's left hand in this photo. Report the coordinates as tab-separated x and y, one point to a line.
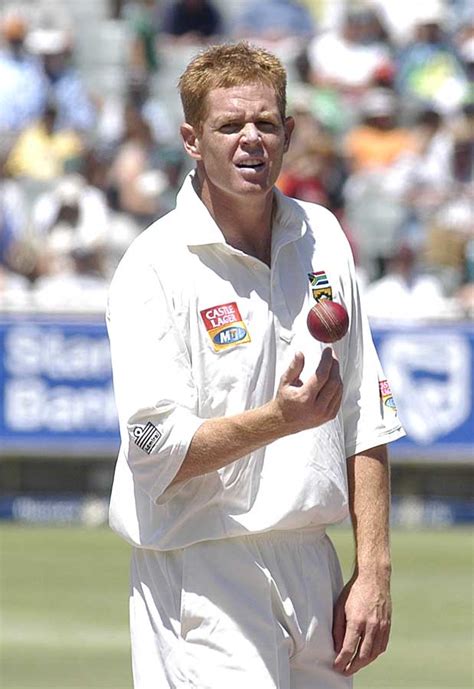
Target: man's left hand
361	626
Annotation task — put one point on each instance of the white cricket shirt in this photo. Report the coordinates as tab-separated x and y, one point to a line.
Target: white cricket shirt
199	330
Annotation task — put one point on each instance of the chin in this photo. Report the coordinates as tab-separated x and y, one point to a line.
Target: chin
254	190
257	185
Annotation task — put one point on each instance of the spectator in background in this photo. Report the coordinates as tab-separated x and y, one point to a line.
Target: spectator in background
348	58
14	288
81	286
21	92
340	65
429	70
117	8
7	236
378	141
13	216
312	169
134	185
404	293
301	178
14	261
17	259
192	21
79	209
450	223
75	213
325	102
144	20
111	122
69	232
173	166
465	294
374	208
42	149
427	164
422	173
61	81
465	46
434	182
399	17
93	165
273	21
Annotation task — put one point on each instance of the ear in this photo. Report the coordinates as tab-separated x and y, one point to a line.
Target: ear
190	141
289	126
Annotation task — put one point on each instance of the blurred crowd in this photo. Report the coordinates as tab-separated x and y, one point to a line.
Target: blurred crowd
383	97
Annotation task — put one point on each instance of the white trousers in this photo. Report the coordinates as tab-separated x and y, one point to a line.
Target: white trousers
253	612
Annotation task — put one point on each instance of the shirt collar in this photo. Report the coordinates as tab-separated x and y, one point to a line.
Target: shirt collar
289	220
200	228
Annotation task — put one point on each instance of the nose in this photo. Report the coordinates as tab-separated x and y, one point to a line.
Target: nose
250	133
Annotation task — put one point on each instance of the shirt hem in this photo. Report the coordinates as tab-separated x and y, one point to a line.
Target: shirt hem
368	443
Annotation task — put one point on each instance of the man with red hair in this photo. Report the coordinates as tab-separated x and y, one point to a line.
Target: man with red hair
238	449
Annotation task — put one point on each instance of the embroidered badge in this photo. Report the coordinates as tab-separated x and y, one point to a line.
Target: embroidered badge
225	326
386	395
145	436
320	285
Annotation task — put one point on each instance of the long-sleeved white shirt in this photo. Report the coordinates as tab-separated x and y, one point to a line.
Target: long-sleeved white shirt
200	330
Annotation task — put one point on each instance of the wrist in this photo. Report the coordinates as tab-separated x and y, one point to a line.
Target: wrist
374	568
279	421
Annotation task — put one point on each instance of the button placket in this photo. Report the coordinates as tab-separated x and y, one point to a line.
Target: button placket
279	306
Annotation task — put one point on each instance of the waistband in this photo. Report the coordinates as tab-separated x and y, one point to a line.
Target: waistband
309	534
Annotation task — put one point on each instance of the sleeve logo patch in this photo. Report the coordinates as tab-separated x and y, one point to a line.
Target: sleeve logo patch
225	326
386	395
145	436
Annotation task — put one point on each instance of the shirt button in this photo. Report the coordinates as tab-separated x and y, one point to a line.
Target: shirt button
286	335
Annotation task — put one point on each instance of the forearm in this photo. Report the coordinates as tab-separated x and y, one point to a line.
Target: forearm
369	497
221	441
296	407
362	613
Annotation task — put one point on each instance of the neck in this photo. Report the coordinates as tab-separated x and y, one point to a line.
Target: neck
245	222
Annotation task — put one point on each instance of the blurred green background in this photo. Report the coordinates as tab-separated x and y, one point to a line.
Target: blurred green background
64	604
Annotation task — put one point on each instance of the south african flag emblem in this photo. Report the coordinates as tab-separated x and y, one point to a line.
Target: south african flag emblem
320	286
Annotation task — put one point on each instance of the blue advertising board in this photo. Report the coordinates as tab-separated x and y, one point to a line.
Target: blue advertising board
431	372
56	394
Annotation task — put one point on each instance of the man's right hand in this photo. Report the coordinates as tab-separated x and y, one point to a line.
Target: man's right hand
310	404
295	407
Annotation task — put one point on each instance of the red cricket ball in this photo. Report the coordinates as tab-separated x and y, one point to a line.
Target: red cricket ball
328	321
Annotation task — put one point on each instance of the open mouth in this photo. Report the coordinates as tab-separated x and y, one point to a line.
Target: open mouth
251	165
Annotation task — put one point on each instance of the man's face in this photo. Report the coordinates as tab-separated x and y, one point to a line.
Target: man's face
242	140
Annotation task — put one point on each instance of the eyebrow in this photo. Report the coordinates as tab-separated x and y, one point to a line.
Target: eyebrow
239	115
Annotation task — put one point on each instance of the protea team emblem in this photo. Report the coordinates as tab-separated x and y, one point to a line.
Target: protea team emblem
320	285
225	326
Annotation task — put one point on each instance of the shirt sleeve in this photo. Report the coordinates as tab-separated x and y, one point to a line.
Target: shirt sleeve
154	389
369	412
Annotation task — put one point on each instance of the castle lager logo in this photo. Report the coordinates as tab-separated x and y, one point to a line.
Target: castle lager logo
225	326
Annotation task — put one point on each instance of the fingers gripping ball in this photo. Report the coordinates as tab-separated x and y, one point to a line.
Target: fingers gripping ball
328	321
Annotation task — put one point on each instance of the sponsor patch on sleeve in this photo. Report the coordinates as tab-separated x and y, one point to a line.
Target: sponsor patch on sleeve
225	326
145	436
386	396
